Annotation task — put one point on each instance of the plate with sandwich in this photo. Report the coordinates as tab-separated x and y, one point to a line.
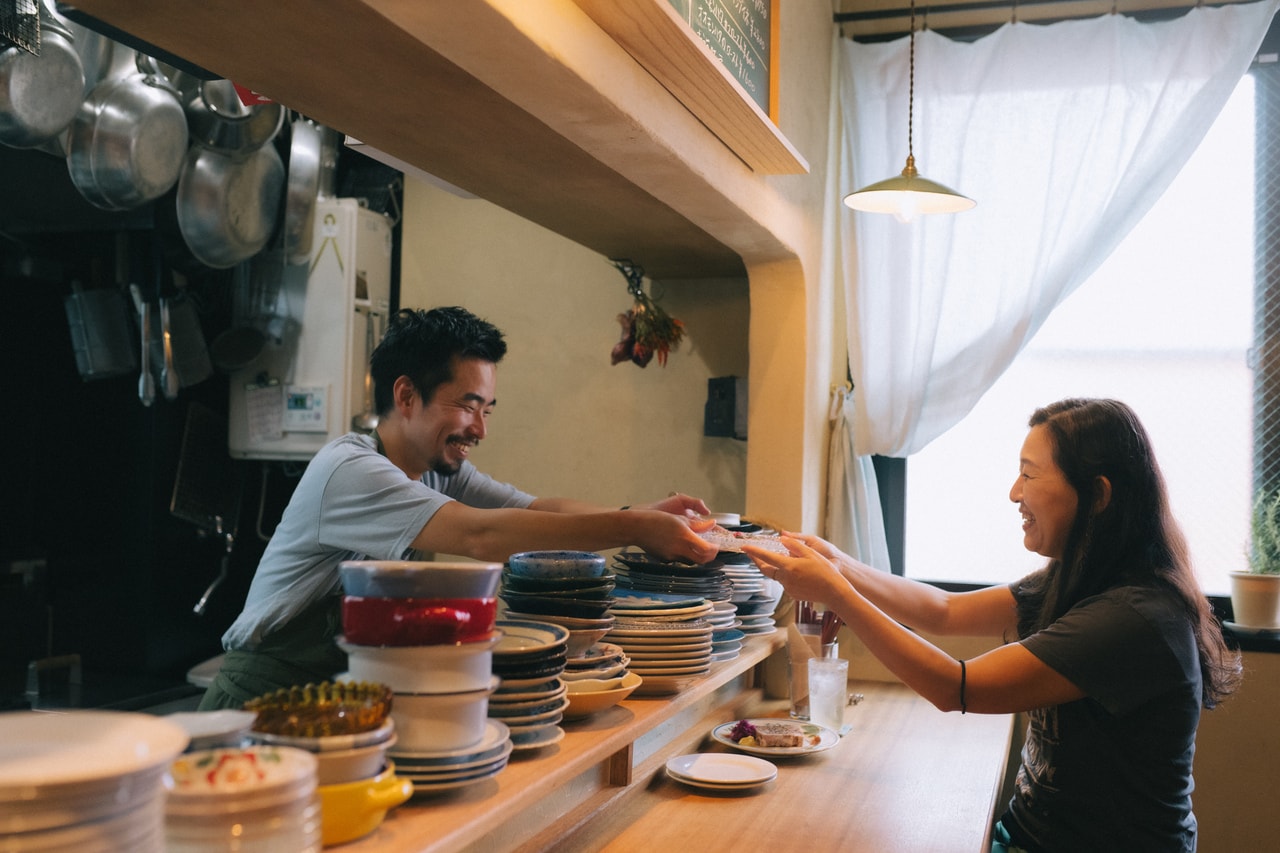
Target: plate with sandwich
775	737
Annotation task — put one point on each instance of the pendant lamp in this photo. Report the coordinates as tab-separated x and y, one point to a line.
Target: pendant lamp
908	195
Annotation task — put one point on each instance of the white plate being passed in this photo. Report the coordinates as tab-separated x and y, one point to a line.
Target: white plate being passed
721	771
817	739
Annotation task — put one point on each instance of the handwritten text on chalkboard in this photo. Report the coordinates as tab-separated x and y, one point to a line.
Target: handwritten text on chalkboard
738	33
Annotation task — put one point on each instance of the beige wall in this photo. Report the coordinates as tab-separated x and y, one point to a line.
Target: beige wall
568	423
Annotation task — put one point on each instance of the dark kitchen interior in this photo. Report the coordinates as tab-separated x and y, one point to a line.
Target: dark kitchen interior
94	563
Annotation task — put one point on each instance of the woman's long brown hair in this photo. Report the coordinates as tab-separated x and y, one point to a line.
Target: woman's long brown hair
1133	540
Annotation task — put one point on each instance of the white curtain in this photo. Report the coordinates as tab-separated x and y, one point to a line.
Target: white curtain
1065	134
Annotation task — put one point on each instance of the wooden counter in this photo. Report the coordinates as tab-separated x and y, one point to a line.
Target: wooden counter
906	776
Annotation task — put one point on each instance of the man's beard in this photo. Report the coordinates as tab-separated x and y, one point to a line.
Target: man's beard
443	467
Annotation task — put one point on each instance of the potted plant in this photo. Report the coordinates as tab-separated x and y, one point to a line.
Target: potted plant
1255	594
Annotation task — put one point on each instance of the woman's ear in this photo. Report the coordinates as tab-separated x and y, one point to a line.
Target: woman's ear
1102	494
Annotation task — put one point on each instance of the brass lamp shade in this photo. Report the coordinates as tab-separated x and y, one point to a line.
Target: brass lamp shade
908	195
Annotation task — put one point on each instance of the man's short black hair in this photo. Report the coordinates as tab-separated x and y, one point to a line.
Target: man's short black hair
423	345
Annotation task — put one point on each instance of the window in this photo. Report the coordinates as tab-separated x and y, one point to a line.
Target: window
1167	325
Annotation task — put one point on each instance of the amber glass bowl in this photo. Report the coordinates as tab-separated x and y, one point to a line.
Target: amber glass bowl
322	710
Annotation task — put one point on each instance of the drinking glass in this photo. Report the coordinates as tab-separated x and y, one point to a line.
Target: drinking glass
828	691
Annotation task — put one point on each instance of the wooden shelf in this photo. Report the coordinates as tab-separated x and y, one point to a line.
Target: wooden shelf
652	32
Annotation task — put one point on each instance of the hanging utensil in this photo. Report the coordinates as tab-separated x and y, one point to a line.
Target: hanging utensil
168	375
367	421
146	384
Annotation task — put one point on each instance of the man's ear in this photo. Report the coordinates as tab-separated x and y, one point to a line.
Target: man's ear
402	394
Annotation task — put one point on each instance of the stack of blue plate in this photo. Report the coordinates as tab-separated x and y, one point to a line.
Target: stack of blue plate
641	573
531	699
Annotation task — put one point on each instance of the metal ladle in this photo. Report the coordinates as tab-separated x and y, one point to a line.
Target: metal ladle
367	421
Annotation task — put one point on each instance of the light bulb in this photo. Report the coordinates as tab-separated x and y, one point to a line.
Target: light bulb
908	207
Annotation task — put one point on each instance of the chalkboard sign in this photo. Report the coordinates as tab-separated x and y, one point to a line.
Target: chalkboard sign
739	33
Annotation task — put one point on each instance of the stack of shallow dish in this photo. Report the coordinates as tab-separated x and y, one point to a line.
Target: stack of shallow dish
668	640
84	780
258	798
530	660
601	661
427	631
566	588
639	572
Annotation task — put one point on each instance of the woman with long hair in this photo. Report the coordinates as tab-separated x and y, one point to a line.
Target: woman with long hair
1111	649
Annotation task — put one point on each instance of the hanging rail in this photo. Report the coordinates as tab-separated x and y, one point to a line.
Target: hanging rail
881	20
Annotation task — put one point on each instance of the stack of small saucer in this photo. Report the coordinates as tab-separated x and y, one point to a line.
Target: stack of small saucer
603	660
531	699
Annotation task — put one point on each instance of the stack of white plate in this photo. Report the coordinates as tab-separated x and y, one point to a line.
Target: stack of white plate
84	780
668	641
530	659
258	799
446	769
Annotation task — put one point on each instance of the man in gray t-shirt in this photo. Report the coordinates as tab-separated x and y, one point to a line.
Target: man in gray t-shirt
410	489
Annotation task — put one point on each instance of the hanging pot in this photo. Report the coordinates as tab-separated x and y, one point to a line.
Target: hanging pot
39	95
302	189
218	119
127	143
227	208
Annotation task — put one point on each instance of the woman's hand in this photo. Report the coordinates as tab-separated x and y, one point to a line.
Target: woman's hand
820	546
804	572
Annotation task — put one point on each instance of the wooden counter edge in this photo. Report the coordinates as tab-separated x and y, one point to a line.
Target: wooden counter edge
456	821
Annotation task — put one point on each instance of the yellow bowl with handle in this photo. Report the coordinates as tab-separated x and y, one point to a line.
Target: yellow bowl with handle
352	810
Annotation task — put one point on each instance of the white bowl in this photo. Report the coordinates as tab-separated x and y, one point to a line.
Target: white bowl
440	721
410	579
337	766
452	668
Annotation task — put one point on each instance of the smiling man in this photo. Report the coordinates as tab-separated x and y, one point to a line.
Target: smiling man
410	490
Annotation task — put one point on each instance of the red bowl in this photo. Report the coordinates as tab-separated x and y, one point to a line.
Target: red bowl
378	621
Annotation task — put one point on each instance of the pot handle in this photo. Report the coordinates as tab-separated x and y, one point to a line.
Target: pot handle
388	793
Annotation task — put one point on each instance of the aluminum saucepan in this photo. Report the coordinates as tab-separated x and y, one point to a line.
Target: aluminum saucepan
218	119
39	95
128	142
227	207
